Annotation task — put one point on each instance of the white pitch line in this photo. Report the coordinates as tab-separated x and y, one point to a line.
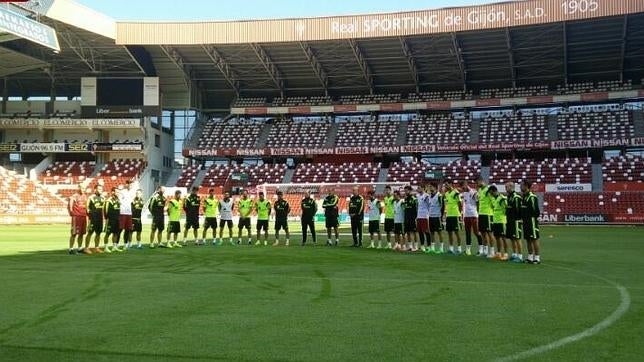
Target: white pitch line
624	305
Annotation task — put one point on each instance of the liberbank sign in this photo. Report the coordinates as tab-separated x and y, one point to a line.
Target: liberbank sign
491	16
18	25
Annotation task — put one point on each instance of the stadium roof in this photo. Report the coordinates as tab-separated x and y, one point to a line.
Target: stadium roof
207	64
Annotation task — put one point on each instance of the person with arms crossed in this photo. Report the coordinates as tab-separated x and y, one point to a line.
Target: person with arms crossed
191	206
331	215
77	209
156	206
500	206
309	209
245	205
95	205
263	209
436	212
113	225
226	207
356	214
374	209
530	213
389	201
399	220
282	210
470	217
410	209
210	211
453	206
175	206
137	212
514	227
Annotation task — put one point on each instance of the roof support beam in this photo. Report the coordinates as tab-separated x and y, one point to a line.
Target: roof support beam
317	67
622	63
270	67
362	63
83	52
513	70
565	53
458	53
177	59
411	62
134	60
223	66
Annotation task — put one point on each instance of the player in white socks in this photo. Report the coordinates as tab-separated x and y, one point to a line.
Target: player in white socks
470	217
422	219
226	219
373	212
399	220
436	211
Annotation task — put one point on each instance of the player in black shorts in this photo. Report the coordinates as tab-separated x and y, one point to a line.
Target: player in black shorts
514	228
331	214
191	206
530	212
95	205
282	209
309	209
137	211
410	209
112	228
156	206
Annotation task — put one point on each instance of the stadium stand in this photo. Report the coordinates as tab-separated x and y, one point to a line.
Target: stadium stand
371	98
302	101
601	125
439	96
305	133
334	173
549	171
414	172
514	92
616	203
592	87
233	133
623	169
438	128
220	175
67	172
188	176
23	196
117	172
250	102
367	132
514	128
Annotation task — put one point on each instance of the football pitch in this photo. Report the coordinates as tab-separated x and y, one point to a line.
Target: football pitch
585	302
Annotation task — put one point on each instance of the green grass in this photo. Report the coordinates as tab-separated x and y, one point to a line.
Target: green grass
315	303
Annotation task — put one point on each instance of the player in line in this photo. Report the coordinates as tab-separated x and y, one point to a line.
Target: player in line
422	219
309	209
113	225
191	206
514	224
356	214
157	206
226	207
331	214
500	206
263	209
126	197
399	220
174	207
282	210
77	209
436	212
374	210
453	207
389	205
210	211
529	214
486	219
245	206
470	217
95	205
410	211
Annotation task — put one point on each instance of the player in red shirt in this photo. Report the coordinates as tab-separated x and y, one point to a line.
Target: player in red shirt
77	208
